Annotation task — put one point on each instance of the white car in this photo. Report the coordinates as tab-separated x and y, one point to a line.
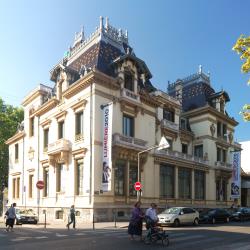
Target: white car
178	215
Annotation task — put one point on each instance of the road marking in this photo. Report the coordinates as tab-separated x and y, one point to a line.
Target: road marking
41	237
21	238
61	235
79	234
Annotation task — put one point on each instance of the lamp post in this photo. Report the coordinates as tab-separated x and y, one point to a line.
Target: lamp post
163	144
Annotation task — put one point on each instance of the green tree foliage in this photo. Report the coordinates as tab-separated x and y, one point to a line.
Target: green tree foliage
10	117
242	47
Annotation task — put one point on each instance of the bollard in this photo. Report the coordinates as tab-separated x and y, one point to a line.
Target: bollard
93	221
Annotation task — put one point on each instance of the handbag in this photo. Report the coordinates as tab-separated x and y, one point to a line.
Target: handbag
7	213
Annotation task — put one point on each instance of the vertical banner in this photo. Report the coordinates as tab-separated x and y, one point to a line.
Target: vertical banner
107	147
236	185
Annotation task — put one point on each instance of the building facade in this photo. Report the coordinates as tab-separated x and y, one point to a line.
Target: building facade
61	142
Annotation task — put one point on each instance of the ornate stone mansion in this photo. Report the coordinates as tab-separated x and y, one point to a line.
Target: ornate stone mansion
61	142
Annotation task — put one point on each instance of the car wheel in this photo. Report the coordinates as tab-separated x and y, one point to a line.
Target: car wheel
176	223
196	222
213	221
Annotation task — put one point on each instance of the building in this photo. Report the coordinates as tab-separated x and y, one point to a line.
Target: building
245	173
61	139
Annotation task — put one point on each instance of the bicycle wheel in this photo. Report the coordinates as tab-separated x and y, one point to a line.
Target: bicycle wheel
165	241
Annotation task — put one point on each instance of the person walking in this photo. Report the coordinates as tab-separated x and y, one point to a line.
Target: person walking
72	217
11	218
135	224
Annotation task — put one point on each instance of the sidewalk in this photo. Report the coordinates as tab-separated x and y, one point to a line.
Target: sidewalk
81	225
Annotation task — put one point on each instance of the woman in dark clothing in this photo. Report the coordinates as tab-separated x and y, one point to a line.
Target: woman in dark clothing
135	224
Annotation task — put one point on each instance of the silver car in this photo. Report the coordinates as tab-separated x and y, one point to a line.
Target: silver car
179	215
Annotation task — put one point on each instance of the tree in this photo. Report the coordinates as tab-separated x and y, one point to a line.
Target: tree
242	47
10	117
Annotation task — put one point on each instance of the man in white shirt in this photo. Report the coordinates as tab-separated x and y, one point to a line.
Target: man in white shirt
151	215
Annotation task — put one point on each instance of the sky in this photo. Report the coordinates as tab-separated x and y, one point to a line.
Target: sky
173	37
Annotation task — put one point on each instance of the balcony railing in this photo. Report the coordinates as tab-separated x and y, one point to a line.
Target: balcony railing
59	146
125	93
223	164
168	124
119	139
181	156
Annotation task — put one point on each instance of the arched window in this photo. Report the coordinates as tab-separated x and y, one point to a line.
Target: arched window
128	81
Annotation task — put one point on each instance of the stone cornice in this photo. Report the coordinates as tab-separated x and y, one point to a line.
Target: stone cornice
61	116
30	98
15	138
93	76
209	110
46	123
80	105
50	104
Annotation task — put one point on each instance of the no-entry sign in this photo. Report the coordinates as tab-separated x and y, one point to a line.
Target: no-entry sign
137	186
40	184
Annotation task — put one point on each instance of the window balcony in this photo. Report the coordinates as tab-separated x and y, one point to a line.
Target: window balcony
130	95
180	156
223	165
129	142
165	124
61	145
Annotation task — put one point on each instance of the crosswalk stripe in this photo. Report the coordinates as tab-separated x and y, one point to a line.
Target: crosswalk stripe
21	238
79	234
41	237
61	235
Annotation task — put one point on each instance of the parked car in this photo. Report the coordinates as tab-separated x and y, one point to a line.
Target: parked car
26	216
240	214
214	215
178	215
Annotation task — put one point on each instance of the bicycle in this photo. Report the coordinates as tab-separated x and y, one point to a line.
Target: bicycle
155	234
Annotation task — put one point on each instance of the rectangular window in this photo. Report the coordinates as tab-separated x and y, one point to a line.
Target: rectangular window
32	126
198	151
79	126
46	182
184	180
183	124
218	154
120	178
128	125
128	81
133	172
218	190
218	129
224	131
168	114
199	181
59	178
45	139
16	152
14	188
18	187
224	155
184	148
79	177
31	185
167	178
60	129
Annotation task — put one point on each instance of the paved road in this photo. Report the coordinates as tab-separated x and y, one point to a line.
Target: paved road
206	237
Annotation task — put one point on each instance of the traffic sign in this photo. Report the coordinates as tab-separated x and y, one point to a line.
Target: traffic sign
40	184
137	186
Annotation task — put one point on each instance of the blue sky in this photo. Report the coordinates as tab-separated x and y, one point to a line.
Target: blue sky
173	37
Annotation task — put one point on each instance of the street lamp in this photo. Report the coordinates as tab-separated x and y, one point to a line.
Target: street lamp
163	144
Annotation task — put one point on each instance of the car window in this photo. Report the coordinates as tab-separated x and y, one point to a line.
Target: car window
188	210
172	210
